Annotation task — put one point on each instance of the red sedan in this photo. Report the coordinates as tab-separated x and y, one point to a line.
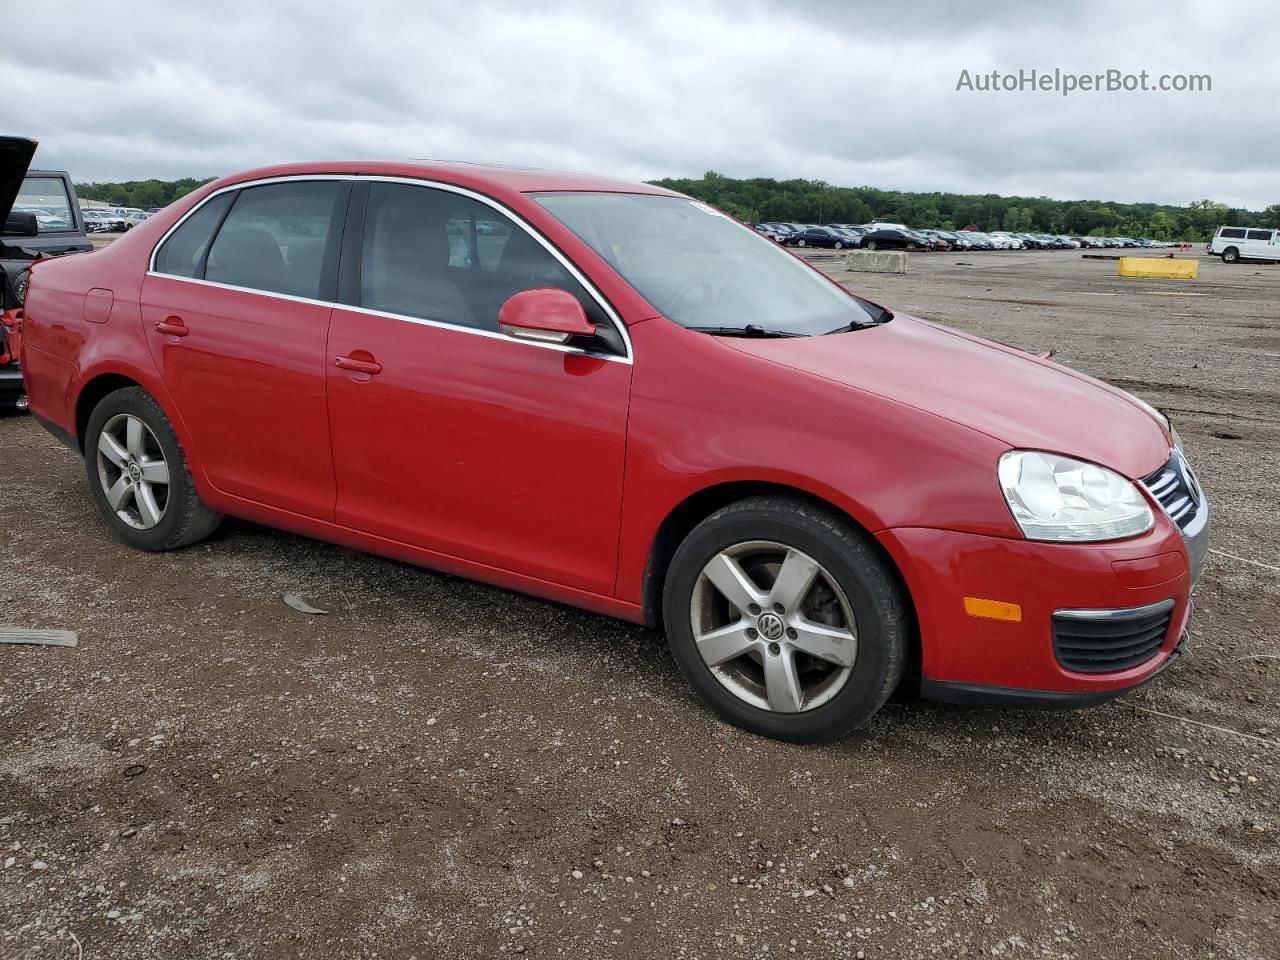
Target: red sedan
614	396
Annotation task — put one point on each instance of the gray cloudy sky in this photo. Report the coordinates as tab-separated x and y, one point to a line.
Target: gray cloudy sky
851	93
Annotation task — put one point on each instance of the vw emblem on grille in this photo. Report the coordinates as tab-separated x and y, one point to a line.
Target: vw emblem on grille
770	627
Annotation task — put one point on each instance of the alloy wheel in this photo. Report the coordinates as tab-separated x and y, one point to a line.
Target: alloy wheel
773	626
133	471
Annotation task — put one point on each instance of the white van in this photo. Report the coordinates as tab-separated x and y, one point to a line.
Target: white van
1245	243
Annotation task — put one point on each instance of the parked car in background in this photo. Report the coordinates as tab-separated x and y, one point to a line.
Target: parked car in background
1245	243
135	218
302	346
853	232
40	216
893	238
104	221
765	230
936	240
821	237
1000	241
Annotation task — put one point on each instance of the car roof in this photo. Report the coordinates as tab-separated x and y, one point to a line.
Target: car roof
483	177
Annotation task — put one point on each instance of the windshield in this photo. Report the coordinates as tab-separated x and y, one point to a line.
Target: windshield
702	269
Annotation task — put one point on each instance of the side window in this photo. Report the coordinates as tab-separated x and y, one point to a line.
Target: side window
47	198
1232	233
182	255
276	236
442	256
1263	235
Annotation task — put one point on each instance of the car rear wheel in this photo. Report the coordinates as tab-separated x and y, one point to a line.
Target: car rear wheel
786	619
138	475
1230	255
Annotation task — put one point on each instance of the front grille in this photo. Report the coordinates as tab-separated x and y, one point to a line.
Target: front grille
1108	641
1174	488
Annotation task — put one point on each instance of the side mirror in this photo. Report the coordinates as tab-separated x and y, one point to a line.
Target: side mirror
21	224
545	315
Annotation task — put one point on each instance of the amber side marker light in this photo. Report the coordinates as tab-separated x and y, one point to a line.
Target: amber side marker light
992	609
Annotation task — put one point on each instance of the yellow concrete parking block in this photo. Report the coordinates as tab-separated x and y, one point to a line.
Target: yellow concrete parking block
1166	268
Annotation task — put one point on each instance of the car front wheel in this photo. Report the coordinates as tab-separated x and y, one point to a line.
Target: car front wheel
786	619
871	244
138	474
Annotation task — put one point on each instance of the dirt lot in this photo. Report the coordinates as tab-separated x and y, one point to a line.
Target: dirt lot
439	769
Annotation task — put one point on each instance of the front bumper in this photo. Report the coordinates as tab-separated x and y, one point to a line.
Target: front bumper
970	659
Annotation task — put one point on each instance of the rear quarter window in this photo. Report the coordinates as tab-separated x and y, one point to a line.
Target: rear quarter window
1264	235
183	253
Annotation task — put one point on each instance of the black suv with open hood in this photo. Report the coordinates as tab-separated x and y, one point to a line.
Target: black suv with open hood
42	218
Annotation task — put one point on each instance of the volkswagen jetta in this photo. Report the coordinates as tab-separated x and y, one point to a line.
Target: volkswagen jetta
617	397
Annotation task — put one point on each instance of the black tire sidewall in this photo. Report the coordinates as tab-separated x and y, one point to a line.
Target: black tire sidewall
866	582
137	402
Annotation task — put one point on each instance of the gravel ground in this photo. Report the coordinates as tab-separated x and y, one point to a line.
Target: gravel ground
441	769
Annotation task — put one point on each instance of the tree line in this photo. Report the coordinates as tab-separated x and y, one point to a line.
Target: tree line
142	194
812	201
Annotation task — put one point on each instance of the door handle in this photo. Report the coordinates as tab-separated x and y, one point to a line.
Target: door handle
357	366
172	327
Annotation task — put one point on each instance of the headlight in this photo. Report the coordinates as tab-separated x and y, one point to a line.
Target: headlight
1057	498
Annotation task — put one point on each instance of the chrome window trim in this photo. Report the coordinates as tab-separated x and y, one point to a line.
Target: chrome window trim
430	184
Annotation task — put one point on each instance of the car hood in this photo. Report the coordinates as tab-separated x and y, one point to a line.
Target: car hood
15	158
1006	393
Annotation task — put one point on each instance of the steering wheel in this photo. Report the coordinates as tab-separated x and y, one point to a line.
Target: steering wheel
703	284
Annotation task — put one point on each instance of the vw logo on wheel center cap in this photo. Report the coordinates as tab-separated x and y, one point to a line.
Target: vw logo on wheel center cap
770	627
135	472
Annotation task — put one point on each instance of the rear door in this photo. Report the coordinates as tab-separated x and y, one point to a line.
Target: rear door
451	436
236	310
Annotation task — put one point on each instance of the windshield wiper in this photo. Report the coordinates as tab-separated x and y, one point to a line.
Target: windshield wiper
750	330
882	316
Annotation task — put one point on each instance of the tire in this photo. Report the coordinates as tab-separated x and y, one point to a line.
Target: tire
800	243
839	245
854	592
871	245
912	246
1230	255
151	513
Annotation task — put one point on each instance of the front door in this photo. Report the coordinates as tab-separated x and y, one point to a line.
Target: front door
453	437
235	315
